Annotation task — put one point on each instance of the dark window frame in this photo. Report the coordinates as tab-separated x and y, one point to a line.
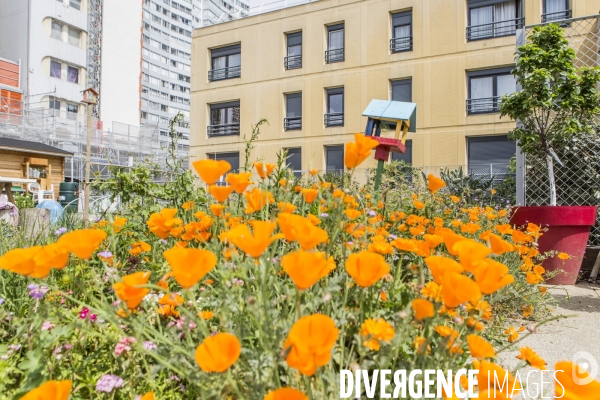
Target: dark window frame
223	129
400	82
408	145
227	72
401	44
336	55
567	13
334	119
494	100
501	171
291	152
291	123
293	61
329	148
519	19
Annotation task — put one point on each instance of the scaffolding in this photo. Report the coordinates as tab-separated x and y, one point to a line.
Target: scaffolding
94	49
124	146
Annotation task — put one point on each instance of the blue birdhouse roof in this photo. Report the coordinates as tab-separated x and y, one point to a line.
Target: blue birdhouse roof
389	110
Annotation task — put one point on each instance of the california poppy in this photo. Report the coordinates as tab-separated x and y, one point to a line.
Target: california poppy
211	170
309	343
532	358
119	223
220	193
286	393
253	243
139	247
423	309
499	245
148	396
366	268
376	330
257	199
359	150
569	378
217	209
50	256
352	214
305	268
450	238
471	253
434	183
20	261
479	347
439	265
239	182
301	229
50	390
309	195
129	290
264	170
219	352
82	242
492	276
458	289
162	222
188	205
189	266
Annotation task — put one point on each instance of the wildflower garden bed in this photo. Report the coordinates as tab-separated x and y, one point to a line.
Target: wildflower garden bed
263	290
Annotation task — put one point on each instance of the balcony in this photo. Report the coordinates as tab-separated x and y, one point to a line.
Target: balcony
398	45
334	119
557	16
333	56
225	73
483	106
292	62
292	124
495	29
223	130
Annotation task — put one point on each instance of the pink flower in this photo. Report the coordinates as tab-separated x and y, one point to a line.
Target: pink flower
120	348
47	325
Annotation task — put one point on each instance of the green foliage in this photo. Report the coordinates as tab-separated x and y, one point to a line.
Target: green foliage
23	201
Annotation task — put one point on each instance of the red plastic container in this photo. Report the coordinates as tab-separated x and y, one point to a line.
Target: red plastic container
568	231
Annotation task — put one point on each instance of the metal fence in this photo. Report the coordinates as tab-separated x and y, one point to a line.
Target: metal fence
578	179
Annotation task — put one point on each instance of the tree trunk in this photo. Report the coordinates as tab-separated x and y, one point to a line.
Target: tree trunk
551	181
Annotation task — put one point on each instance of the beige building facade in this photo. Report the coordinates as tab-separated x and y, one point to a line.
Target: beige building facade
450	57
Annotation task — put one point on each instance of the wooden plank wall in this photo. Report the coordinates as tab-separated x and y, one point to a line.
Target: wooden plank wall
10	165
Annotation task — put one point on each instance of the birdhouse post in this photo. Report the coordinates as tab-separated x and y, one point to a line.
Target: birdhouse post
403	115
90	97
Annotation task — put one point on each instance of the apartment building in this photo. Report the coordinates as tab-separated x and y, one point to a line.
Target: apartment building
312	69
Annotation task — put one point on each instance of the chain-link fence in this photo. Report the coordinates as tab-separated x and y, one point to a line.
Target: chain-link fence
578	178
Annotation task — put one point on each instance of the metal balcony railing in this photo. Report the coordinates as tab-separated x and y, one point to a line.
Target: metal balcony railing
401	44
334	119
223	129
483	106
292	124
292	62
224	73
333	56
557	16
495	29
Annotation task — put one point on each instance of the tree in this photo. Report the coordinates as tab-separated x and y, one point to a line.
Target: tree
558	104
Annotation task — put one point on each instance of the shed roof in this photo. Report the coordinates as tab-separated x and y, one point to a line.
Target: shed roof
31	147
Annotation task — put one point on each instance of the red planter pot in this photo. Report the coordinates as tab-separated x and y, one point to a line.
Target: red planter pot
568	231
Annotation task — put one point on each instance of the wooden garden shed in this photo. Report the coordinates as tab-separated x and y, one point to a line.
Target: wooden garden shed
31	160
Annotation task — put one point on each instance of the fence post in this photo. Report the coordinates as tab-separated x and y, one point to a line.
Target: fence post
520	172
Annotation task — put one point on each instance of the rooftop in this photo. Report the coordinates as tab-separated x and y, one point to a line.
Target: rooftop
31	147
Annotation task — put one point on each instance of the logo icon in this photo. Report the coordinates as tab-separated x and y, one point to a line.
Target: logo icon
586	364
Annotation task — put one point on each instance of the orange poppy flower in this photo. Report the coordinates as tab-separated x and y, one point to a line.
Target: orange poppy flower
309	343
520	237
569	379
450	239
211	170
264	170
217	209
423	309
254	243
313	219
148	396
189	266
359	150
376	331
306	268
129	290
434	183
313	172
286	394
309	195
512	334
283	182
119	223
51	256
534	278
188	205
139	247
480	348
82	242
220	193
301	229
432	291
286	207
532	358
366	268
239	182
492	276
418	205
505	229
206	315
439	265
50	390
471	253
498	245
563	256
161	223
488	369
257	199
458	289
219	352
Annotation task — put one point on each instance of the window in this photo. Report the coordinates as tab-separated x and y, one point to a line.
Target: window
232	158
74	36
487	87
334	159
293	59
72	74
401	32
335	107
76	4
406	156
494	18
489	156
294	161
225	63
54	106
293	112
55	69
555	10
72	110
402	90
335	44
224	119
56	32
